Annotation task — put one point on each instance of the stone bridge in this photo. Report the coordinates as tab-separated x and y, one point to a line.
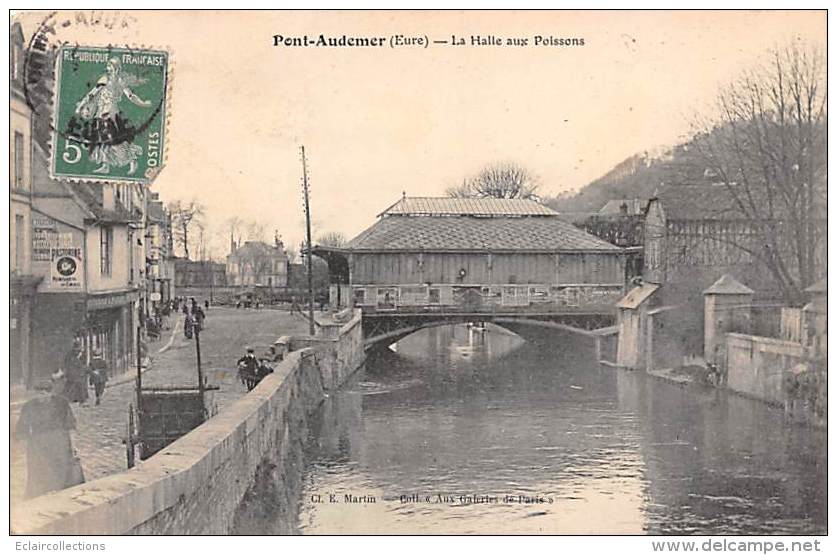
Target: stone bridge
381	329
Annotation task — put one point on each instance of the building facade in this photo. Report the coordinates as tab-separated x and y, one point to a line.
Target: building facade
256	263
694	234
199	274
160	269
23	282
87	246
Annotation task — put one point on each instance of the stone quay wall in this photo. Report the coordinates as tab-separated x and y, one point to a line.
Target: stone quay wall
238	472
757	366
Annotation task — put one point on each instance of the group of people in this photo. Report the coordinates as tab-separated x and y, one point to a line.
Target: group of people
159	320
79	374
194	316
252	370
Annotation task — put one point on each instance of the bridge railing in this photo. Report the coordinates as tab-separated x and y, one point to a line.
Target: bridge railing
486	298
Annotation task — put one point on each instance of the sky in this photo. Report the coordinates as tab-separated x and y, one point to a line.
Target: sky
377	122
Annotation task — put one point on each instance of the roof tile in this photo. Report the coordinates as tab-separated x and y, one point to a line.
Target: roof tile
444	206
464	233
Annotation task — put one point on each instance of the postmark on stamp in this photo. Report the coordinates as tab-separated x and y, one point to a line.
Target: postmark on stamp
109	112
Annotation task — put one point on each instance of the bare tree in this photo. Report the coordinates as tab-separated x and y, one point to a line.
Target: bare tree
256	231
500	180
463	190
332	239
767	146
183	215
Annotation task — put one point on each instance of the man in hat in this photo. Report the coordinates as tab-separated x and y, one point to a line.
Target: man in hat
44	424
248	367
76	373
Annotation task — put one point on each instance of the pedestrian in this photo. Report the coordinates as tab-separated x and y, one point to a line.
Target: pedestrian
75	372
206	304
200	316
44	424
98	374
188	326
248	367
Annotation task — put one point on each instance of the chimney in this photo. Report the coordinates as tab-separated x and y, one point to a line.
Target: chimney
108	202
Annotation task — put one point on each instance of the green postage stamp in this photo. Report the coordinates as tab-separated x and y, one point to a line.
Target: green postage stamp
109	113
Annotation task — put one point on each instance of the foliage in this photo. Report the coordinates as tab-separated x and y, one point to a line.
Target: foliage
332	239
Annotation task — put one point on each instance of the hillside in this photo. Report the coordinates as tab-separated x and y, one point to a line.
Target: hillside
636	177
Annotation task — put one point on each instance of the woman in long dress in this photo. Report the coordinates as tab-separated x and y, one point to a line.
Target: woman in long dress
44	424
75	371
108	134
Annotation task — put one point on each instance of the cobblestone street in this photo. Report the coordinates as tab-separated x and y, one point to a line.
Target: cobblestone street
100	429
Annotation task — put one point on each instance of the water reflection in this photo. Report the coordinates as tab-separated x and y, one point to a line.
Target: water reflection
463	431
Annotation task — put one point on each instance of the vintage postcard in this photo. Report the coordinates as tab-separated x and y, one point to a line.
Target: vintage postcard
419	272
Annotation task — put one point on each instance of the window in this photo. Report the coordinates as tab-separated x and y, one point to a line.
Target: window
19	232
360	296
19	152
105	250
15	60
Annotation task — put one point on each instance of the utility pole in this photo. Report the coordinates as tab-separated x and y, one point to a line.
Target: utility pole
308	239
197	332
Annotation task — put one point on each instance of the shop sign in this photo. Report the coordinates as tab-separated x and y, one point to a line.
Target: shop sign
44	237
111	301
65	268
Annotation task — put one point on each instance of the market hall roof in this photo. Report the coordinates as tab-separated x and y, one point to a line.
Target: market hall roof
485	207
526	227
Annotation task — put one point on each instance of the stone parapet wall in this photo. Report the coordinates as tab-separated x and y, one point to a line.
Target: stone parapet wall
339	348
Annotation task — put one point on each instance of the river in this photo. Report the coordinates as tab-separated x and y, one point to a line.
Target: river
469	432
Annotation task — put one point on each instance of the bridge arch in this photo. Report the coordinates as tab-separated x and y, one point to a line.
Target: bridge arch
382	331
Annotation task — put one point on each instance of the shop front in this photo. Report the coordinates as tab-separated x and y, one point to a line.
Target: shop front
109	328
58	319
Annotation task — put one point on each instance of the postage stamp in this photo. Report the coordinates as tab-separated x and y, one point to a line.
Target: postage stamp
109	113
